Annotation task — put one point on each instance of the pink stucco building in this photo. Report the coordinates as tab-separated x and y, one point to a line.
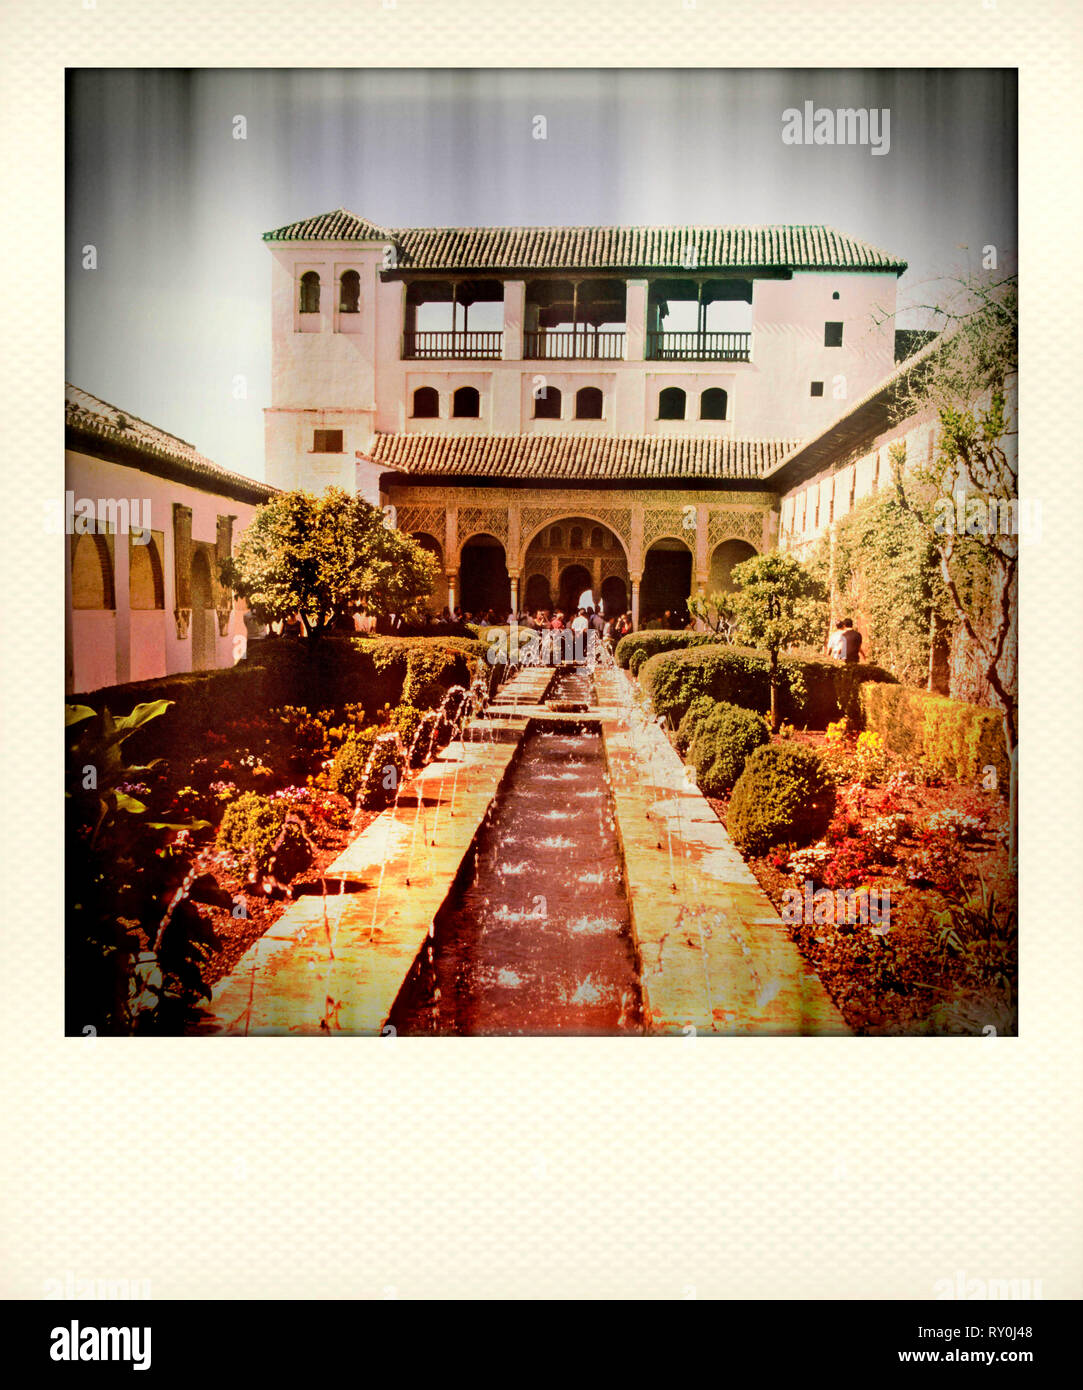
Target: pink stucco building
146	521
554	408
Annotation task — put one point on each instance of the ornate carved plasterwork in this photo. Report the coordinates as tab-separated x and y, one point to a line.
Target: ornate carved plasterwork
474	521
426	518
670	522
618	519
734	523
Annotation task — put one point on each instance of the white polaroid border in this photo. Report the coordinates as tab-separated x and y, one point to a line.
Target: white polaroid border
793	1168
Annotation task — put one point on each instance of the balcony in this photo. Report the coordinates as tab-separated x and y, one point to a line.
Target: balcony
568	345
699	347
458	344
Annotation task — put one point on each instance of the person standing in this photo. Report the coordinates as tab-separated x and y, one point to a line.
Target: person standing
851	641
835	641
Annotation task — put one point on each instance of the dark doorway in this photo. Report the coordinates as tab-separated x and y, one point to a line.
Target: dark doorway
483	577
537	593
725	556
614	597
572	583
667	582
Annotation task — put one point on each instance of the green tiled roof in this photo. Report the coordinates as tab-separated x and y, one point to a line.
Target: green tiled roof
583	457
602	248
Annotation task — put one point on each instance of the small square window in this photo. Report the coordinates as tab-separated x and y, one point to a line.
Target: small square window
327	442
832	335
816	388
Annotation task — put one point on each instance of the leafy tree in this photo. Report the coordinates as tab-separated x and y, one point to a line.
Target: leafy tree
966	498
778	603
879	562
325	556
716	612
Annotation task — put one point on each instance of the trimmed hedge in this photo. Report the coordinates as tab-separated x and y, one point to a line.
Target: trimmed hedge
658	640
721	745
253	826
353	776
815	690
957	739
784	796
699	709
371	671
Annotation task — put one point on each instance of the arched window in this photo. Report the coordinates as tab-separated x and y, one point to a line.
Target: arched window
310	292
145	587
426	403
596	538
467	403
547	405
671	404
91	572
588	403
575	540
350	293
556	538
712	404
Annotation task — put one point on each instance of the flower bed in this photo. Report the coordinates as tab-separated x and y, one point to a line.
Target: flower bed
196	855
905	908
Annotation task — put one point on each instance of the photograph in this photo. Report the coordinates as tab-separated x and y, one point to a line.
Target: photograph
563	595
534	567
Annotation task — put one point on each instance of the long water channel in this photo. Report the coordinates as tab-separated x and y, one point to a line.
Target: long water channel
537	939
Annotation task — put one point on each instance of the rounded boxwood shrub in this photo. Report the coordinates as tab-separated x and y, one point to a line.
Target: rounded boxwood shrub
699	709
814	691
415	728
783	796
250	830
658	640
722	745
637	660
359	772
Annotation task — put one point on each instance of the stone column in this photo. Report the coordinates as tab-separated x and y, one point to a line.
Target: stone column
513	579
69	626
514	558
452	586
635	578
223	549
451	539
182	568
635	321
514	311
596	577
122	597
703	557
635	549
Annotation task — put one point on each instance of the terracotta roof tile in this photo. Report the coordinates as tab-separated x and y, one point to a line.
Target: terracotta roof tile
340	225
601	248
86	414
575	457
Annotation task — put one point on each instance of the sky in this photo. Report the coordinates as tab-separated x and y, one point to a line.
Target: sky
178	306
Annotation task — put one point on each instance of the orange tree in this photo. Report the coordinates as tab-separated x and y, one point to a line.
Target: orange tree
322	556
778	603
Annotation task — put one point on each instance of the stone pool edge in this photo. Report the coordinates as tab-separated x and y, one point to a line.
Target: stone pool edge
739	974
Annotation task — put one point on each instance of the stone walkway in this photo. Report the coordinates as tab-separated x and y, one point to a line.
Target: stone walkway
336	964
714	954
